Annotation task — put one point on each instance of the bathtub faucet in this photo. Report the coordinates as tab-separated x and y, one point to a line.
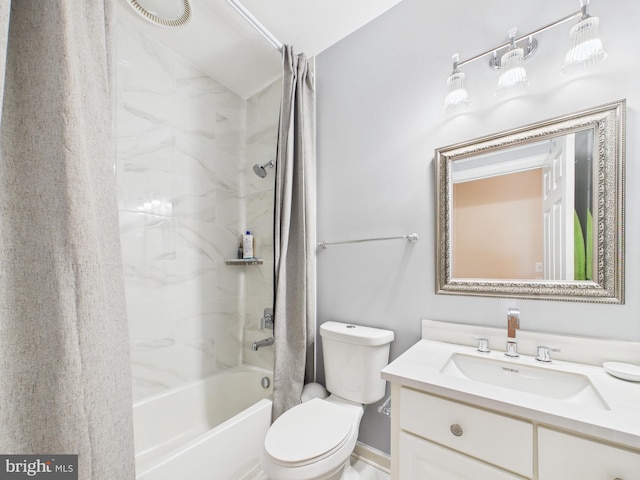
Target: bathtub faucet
262	343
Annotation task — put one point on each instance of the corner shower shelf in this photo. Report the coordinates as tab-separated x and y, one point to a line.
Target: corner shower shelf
243	261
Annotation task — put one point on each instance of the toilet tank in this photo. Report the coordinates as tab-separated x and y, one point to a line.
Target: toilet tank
353	358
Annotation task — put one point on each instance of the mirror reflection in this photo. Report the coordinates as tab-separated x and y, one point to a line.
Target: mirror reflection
535	212
526	212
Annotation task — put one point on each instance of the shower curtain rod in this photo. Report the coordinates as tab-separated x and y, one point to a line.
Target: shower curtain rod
411	238
255	23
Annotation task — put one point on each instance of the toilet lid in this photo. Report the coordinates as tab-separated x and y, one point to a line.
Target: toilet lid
308	431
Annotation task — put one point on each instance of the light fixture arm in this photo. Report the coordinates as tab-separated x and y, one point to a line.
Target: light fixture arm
583	9
454	59
528	36
586	50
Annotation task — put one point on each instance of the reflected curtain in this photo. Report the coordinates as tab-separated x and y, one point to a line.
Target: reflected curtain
294	231
65	381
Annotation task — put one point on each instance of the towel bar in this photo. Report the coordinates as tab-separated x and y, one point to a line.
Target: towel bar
411	238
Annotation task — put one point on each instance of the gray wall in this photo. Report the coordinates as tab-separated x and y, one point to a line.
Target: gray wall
380	94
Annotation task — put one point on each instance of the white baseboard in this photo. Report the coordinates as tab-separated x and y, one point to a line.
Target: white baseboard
373	457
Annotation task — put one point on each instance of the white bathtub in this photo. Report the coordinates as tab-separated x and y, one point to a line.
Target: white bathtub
213	429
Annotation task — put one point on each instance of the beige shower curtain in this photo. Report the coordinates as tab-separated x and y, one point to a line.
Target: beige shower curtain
64	364
295	308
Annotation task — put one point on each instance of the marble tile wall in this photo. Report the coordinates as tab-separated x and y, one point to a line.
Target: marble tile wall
185	147
263	111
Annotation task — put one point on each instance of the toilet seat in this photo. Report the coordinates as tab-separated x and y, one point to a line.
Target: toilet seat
318	429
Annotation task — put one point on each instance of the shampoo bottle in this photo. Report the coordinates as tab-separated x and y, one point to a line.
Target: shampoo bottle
247	245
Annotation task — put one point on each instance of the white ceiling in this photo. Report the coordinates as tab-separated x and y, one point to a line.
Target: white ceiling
224	46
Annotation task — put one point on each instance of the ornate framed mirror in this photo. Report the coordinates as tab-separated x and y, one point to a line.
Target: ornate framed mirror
535	212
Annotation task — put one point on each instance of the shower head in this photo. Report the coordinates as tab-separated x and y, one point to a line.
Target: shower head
260	170
163	13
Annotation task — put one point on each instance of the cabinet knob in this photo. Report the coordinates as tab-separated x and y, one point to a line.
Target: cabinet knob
456	430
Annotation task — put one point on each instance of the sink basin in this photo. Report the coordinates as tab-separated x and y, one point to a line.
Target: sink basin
545	382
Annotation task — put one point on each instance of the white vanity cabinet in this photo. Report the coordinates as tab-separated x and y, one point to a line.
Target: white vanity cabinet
562	456
458	413
420	459
492	438
442	439
434	438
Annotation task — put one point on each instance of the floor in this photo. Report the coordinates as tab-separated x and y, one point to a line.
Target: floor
366	471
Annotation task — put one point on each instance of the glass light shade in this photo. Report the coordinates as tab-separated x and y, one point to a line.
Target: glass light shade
514	76
457	99
586	47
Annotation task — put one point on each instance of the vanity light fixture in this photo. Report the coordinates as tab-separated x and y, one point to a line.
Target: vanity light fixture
457	99
514	76
586	46
586	50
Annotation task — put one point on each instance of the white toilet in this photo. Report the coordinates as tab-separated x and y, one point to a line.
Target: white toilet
314	440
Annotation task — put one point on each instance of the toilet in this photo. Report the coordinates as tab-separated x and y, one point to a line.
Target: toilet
314	440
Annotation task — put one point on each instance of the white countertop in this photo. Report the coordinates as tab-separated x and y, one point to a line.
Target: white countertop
420	366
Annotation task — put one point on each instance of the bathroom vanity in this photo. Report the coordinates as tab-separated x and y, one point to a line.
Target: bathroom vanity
458	413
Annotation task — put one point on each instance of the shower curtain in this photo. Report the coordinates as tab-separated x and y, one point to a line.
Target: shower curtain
65	381
294	231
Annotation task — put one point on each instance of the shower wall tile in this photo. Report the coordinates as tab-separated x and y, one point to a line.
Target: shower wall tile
194	199
262	130
230	209
263	110
186	192
230	284
151	151
150	237
152	68
260	218
229	137
156	321
216	318
202	89
157	370
146	190
181	151
171	340
150	281
201	159
204	242
254	307
259	283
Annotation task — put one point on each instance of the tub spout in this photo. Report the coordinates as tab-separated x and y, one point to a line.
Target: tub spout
262	343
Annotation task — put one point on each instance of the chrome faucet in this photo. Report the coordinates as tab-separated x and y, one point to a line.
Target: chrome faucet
262	343
544	354
513	324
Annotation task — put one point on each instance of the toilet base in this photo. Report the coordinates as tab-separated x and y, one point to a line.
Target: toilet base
350	473
346	473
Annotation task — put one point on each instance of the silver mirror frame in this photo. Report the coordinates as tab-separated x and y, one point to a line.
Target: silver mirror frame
609	122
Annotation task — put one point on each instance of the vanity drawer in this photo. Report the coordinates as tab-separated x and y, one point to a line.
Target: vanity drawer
491	437
424	460
562	456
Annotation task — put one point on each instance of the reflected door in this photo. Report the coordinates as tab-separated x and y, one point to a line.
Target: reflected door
558	205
